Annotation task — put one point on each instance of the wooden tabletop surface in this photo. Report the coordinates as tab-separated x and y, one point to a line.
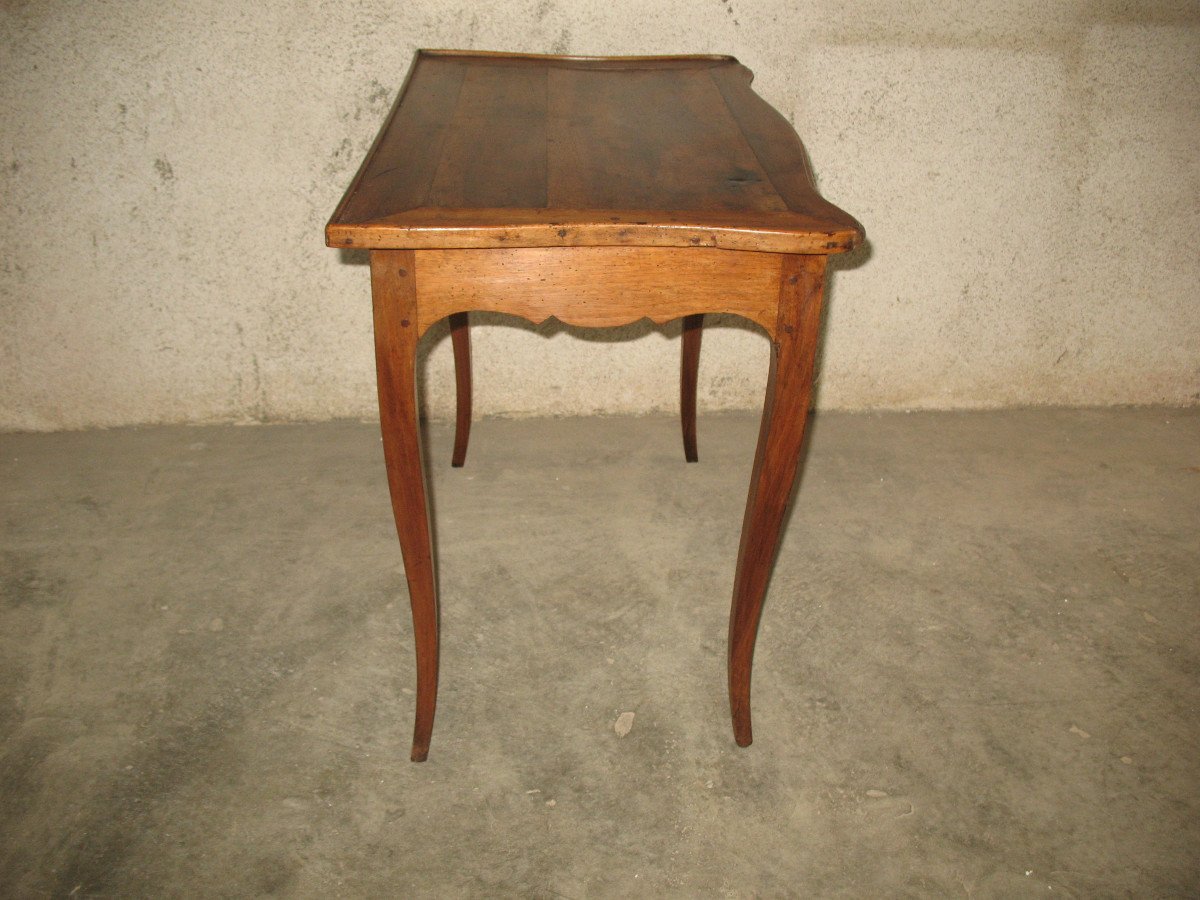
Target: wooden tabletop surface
506	150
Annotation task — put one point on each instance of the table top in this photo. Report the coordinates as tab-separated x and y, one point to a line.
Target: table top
510	150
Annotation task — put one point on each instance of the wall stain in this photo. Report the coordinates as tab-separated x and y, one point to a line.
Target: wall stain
379	94
340	159
165	172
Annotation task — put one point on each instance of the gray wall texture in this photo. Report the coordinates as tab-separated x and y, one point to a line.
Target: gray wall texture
1027	173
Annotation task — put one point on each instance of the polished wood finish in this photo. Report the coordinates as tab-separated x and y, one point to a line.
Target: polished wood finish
395	312
689	371
460	337
598	191
598	286
780	437
536	151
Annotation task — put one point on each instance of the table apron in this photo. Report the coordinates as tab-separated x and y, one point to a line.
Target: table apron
598	286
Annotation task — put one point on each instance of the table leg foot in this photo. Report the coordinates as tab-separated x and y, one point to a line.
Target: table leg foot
395	312
780	438
460	337
689	367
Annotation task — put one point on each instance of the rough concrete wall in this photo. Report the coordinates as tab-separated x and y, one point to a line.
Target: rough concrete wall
1026	172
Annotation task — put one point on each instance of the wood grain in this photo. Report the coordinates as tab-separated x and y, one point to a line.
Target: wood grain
598	286
398	170
776	146
395	312
485	150
653	139
490	160
780	438
425	228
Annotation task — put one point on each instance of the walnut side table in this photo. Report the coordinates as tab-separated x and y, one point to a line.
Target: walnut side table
599	191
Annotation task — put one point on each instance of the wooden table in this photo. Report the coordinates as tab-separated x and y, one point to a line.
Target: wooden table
599	191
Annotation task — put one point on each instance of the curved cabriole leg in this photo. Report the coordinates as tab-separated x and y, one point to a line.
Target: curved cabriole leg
785	412
688	369
460	337
393	293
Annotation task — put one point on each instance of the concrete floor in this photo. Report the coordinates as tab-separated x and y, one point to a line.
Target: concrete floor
978	672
